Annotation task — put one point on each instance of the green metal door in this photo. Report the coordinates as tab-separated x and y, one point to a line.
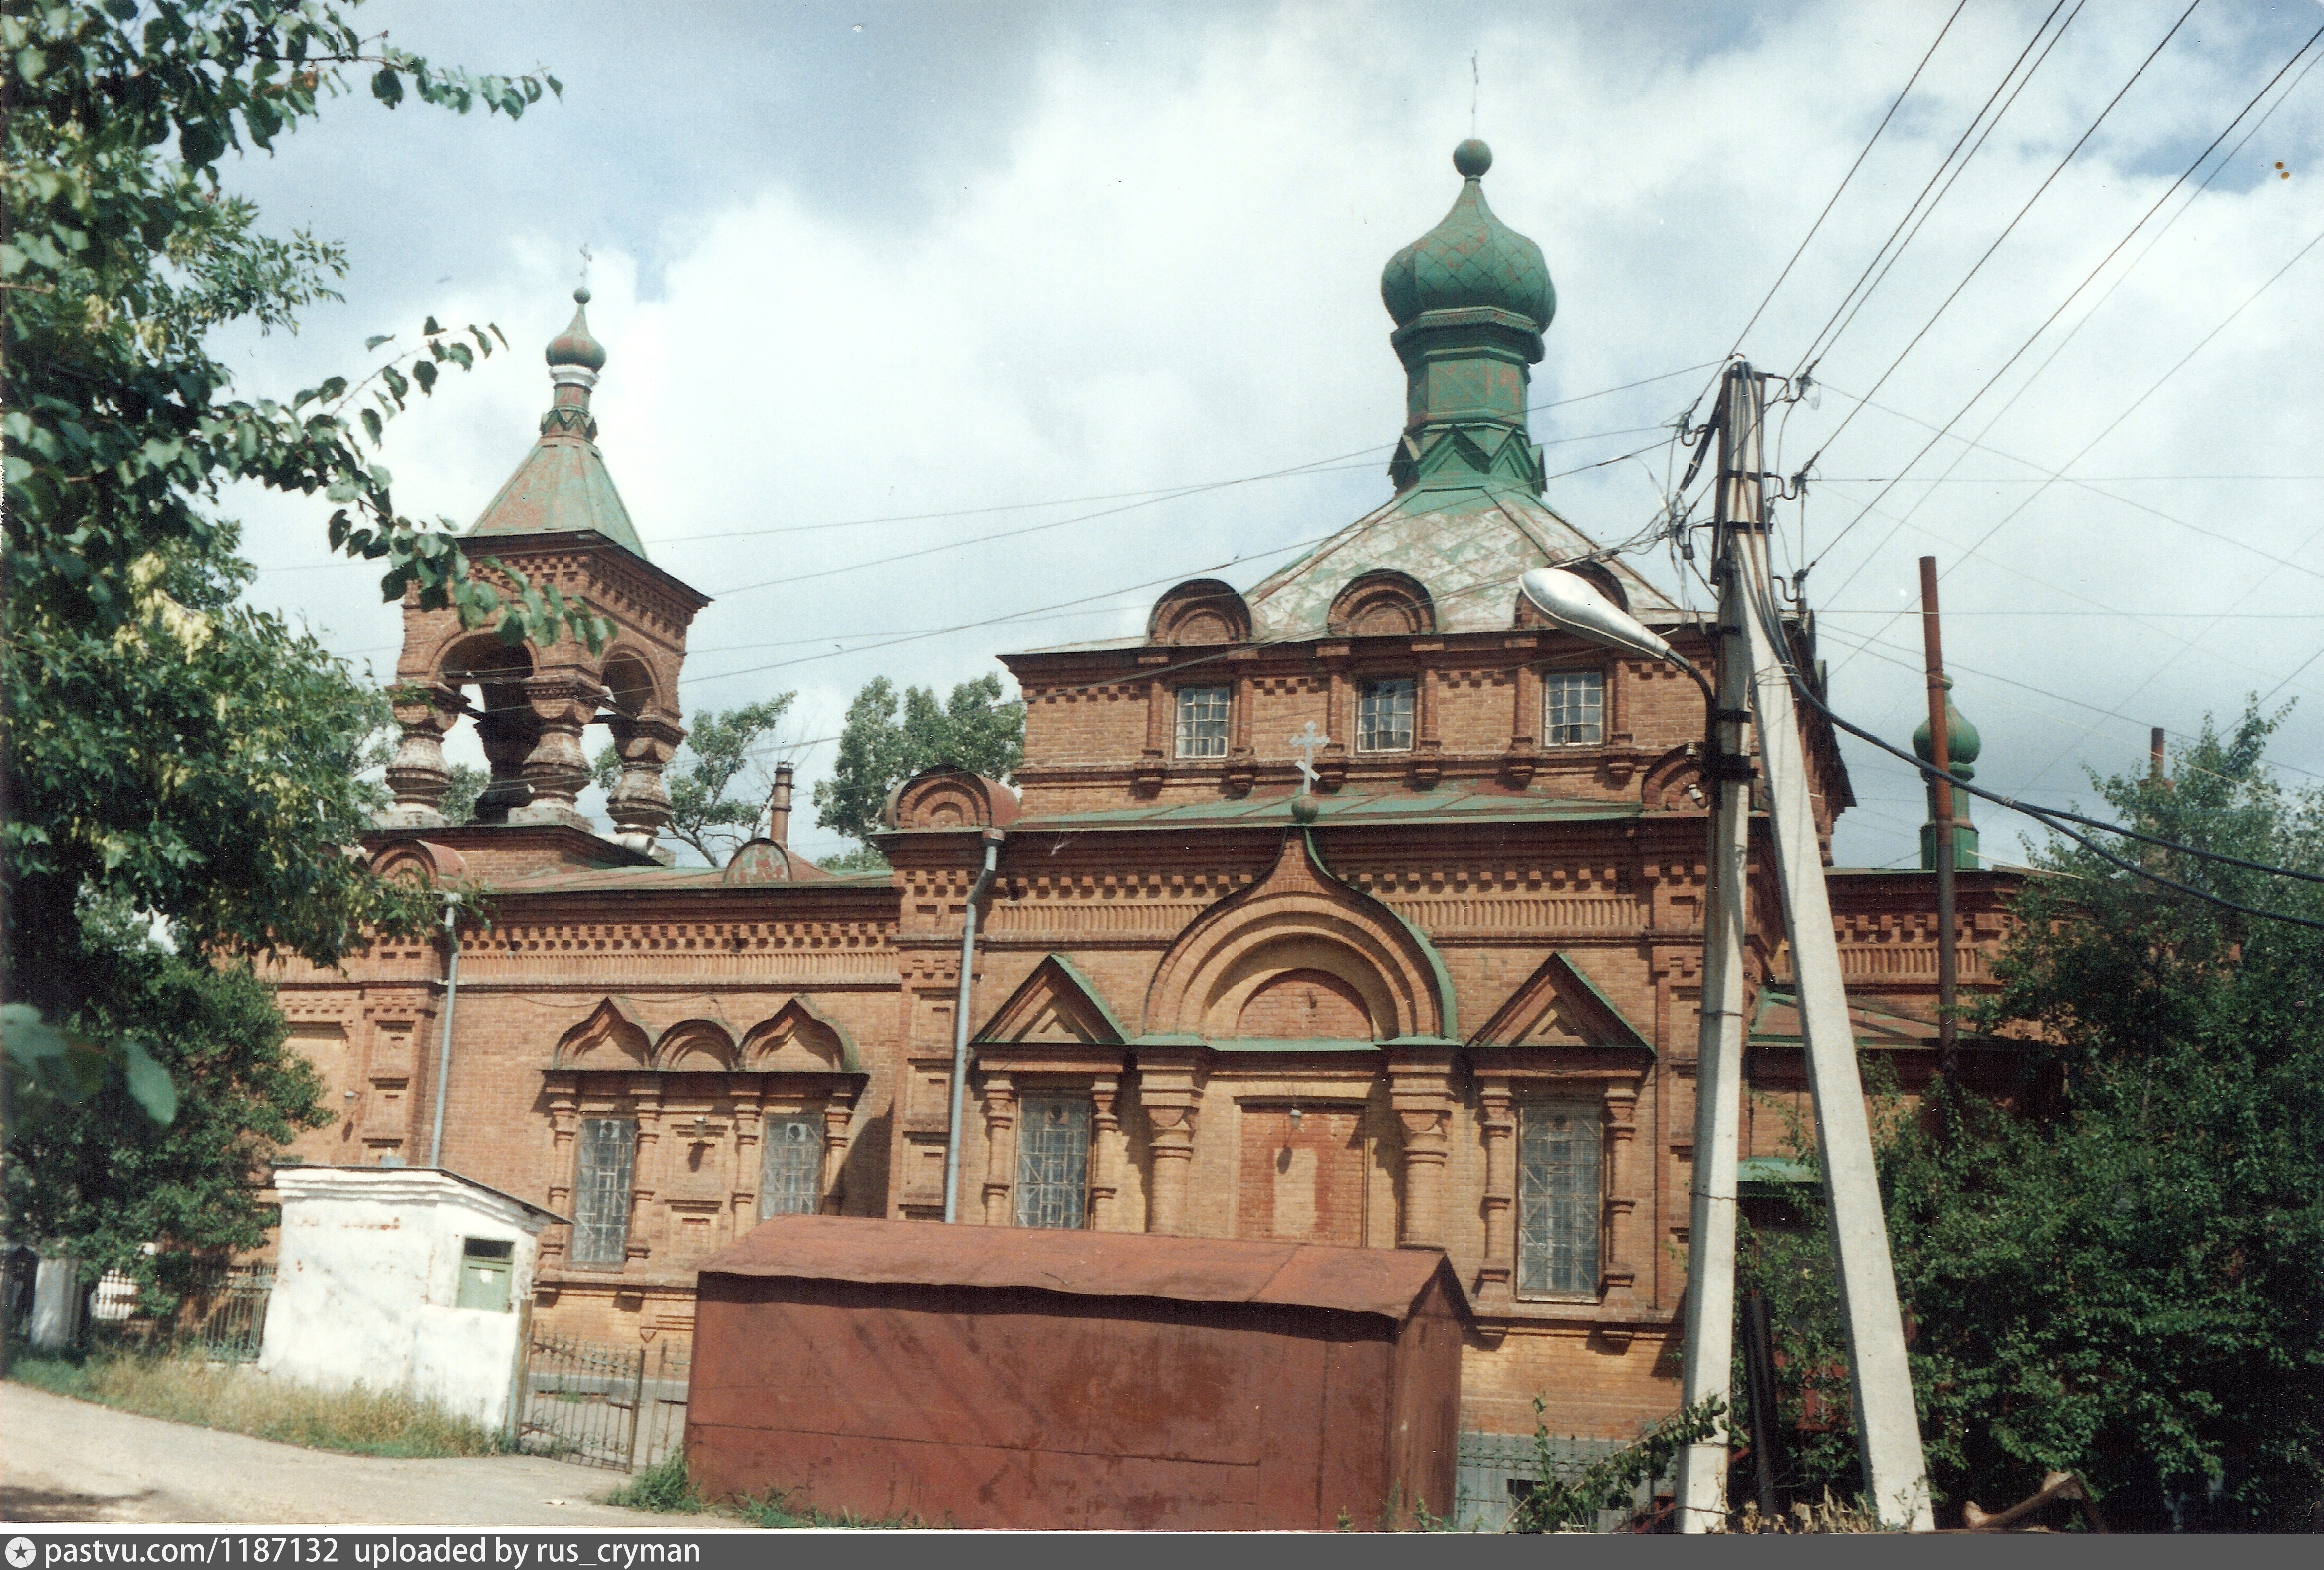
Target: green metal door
486	1267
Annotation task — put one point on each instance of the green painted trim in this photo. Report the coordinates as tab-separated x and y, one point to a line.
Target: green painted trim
1073	974
1165	1038
1448	1001
1316	1044
1637	1038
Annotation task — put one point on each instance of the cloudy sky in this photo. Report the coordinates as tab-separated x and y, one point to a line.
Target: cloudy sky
1002	318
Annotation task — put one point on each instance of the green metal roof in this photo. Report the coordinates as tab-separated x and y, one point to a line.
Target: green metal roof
562	487
1471	260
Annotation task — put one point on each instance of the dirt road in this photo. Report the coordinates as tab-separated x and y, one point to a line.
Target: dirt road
63	1460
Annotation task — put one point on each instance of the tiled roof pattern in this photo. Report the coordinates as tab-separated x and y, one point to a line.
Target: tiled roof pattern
1469	259
1469	546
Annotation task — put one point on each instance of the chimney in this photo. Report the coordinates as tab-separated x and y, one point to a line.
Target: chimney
778	807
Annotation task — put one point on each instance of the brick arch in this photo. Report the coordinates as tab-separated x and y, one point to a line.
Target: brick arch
1668	778
695	1046
798	1039
1300	917
610	1037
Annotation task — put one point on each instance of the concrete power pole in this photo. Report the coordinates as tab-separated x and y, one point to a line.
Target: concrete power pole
1702	1483
1887	1428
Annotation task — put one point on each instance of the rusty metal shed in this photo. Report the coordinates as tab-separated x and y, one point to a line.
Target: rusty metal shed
1019	1377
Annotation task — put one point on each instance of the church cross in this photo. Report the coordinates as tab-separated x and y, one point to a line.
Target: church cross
1307	743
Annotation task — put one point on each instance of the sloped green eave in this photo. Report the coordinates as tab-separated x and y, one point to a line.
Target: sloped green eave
1074	973
562	487
1448	1000
1637	1038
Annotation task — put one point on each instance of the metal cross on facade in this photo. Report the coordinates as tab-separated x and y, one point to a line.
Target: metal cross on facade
1307	743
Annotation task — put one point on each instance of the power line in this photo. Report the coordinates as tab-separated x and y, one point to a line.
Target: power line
1860	157
2007	230
1161	491
1809	356
2078	288
1757	593
2043	477
1897	655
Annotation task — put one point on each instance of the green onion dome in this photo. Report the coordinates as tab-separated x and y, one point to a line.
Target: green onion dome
1471	260
573	346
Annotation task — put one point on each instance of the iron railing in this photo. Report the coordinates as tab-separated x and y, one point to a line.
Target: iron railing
617	1407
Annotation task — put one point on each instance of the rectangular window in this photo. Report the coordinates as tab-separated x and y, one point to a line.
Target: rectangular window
1384	718
1202	721
603	1159
1053	1163
1573	709
1559	1202
791	1178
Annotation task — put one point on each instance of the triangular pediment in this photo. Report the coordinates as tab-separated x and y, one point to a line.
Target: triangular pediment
1057	1006
1558	1006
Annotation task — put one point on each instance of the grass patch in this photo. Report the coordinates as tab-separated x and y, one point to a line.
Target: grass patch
360	1421
665	1488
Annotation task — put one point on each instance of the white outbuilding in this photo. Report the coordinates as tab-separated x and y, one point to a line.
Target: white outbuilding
403	1277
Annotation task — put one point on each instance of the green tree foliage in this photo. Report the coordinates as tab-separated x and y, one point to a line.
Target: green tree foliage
2131	1285
163	748
1562	1499
891	737
98	1174
719	751
459	801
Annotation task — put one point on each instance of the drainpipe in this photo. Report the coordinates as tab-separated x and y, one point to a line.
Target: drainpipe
451	997
992	838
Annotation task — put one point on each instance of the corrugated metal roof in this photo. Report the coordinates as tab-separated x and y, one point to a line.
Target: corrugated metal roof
1083	1264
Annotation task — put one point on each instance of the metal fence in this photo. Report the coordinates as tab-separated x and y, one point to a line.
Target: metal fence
1498	1469
617	1407
203	1307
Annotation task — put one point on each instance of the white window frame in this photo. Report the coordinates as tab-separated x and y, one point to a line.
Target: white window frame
1375	692
1559	715
1195	719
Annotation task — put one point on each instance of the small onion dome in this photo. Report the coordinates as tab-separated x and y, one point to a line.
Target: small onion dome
1963	744
573	346
1470	260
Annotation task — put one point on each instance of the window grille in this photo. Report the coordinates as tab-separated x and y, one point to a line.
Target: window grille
791	1177
1574	705
1559	1201
603	1159
1202	721
1384	719
1053	1163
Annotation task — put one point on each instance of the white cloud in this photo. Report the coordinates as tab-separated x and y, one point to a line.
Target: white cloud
1165	272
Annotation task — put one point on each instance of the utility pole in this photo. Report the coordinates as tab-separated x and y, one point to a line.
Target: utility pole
1932	653
1701	1479
1887	1430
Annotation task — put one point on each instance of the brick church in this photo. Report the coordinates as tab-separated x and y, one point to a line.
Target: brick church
1446	999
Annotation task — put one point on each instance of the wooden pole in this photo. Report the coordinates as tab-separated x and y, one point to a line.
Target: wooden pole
1932	653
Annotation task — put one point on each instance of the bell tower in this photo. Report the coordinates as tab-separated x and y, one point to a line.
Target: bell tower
558	521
